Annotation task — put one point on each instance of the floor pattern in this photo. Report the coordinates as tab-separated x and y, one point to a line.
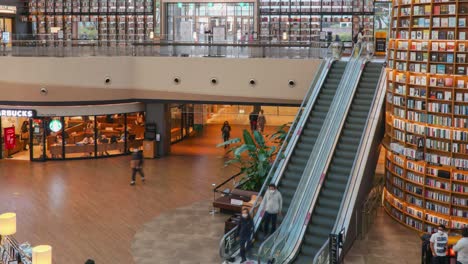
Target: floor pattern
187	235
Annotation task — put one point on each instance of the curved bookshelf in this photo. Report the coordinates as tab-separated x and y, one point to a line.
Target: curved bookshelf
427	114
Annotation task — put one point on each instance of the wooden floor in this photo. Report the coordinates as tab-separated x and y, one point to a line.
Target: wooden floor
87	209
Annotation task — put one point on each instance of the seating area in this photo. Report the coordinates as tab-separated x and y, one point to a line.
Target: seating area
83	136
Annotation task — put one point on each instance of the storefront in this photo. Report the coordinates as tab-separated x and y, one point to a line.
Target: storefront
30	134
7	20
203	22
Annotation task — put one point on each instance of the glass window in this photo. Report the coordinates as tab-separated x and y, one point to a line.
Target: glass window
81	137
110	135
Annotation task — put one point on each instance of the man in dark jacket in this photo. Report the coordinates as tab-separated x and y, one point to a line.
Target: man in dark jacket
137	165
244	232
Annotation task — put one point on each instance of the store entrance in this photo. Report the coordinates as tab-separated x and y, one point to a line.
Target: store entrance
18	149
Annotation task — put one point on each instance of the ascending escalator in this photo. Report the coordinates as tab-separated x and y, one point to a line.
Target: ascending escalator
298	160
331	194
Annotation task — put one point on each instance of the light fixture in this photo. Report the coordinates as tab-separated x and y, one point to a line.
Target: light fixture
7	224
42	254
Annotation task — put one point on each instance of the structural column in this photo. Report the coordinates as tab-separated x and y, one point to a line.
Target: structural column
159	114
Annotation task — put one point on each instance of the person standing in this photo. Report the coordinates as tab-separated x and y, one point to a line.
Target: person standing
261	121
439	242
137	165
462	248
226	132
272	204
253	120
244	233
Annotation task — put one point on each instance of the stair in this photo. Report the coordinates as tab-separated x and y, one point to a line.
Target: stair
328	204
298	160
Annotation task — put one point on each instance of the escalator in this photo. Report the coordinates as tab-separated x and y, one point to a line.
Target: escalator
301	153
330	197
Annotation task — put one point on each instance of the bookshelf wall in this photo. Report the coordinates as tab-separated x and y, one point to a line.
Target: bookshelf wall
302	20
116	20
426	161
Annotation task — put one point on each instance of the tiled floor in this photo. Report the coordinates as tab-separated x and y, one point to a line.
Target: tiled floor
387	242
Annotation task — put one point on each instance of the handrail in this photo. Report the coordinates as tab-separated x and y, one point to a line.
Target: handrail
357	173
281	159
216	189
290	231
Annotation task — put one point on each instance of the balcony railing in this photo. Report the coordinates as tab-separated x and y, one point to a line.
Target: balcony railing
50	46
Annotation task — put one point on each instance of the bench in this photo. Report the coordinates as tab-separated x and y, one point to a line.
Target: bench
226	205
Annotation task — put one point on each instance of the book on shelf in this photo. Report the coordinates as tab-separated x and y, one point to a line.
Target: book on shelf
462	35
442	46
461	70
440	68
461	47
450	46
450	58
462	22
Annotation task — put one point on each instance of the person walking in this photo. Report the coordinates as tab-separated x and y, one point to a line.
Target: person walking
261	121
226	132
462	248
253	120
272	204
244	233
137	165
439	242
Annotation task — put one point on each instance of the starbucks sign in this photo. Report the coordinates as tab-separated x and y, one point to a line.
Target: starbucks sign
55	125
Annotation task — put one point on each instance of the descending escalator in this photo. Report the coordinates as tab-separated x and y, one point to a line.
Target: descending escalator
298	160
330	197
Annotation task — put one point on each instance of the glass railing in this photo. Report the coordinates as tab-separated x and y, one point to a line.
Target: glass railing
229	247
285	240
347	206
50	46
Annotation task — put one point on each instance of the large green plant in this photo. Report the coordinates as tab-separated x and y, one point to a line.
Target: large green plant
254	156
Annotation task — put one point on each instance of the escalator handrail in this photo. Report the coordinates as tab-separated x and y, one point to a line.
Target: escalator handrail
287	146
284	231
343	218
319	176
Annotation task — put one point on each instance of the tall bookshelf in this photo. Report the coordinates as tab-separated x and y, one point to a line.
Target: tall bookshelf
426	162
116	20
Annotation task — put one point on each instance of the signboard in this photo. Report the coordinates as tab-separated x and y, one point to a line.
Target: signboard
9	137
17	113
55	125
219	34
6	37
185	30
4	9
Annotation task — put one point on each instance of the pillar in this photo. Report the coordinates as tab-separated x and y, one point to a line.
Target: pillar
159	114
